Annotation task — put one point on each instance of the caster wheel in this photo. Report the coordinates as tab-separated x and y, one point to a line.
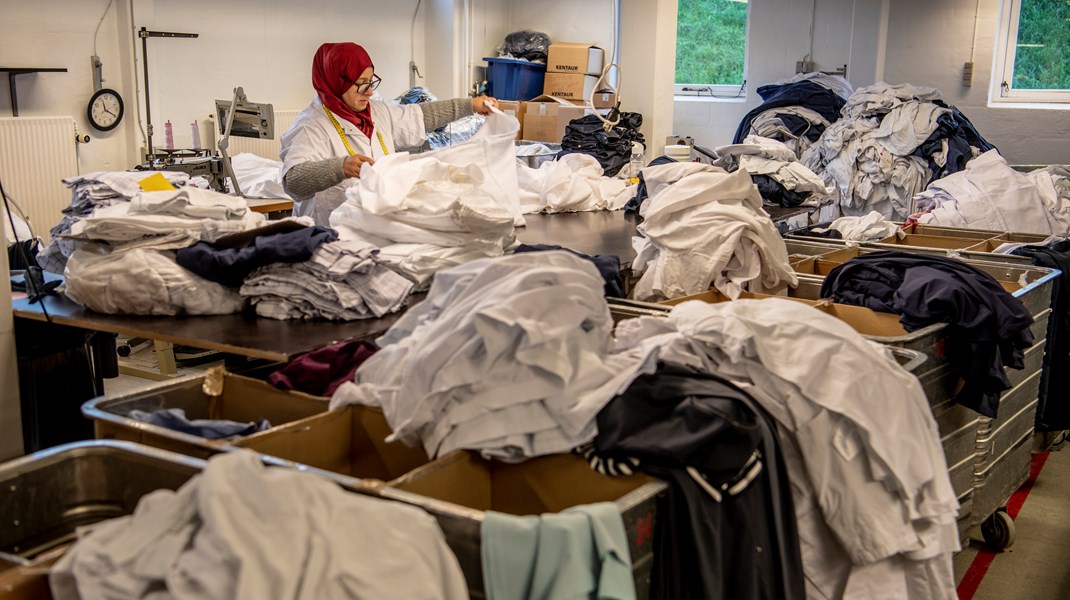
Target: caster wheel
998	530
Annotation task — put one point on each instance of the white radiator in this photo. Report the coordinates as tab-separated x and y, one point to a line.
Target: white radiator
265	148
36	153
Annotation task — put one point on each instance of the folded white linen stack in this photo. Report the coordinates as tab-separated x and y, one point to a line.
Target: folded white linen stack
241	530
89	192
510	356
704	226
135	272
437	209
343	280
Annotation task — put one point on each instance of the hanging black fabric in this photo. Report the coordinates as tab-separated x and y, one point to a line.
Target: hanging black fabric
1053	409
727	528
988	327
613	148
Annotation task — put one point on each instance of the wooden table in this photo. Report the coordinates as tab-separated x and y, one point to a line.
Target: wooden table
244	334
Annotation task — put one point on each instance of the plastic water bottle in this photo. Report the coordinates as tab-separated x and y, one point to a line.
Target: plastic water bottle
168	136
195	135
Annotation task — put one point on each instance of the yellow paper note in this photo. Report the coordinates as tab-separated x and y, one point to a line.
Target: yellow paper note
156	183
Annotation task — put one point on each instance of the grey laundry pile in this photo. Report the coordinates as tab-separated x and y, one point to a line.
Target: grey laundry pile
88	192
889	144
343	280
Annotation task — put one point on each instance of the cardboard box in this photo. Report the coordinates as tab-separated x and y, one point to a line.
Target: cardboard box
515	108
545	118
570	86
243	400
570	57
350	442
605	99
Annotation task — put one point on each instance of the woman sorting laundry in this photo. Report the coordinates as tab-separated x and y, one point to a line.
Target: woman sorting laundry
343	128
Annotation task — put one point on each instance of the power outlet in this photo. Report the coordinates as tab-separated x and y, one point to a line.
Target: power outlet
967	74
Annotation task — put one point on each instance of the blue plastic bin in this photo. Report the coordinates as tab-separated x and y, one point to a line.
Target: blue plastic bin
511	79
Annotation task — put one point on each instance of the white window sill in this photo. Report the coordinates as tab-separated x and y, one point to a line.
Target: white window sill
1022	104
696	98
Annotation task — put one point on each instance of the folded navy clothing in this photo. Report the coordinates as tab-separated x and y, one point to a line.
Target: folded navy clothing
608	266
989	327
230	266
212	429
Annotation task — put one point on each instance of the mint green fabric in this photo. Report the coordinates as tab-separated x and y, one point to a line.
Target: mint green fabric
581	553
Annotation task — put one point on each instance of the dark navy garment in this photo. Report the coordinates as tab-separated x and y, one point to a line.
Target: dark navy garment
230	266
319	372
808	94
612	149
1053	409
772	191
962	138
212	429
988	327
739	541
633	205
608	266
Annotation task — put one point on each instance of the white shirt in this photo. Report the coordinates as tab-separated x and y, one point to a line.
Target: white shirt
314	137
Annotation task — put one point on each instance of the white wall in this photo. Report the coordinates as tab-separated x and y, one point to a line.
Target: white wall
928	42
265	46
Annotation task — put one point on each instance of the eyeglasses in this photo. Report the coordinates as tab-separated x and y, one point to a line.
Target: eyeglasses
364	88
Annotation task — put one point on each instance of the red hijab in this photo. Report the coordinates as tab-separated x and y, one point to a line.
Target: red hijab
335	68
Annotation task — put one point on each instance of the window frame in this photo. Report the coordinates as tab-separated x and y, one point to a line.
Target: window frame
717	92
1002	91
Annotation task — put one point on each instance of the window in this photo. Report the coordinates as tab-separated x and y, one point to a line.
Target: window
1033	52
711	48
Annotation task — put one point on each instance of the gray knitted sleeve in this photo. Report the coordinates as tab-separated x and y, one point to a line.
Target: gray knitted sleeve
304	180
441	112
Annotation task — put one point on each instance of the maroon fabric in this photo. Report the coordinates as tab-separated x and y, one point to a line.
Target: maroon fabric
335	68
320	372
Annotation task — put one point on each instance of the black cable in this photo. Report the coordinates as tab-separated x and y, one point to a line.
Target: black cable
32	273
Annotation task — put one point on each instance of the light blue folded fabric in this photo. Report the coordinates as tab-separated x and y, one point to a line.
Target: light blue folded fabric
581	553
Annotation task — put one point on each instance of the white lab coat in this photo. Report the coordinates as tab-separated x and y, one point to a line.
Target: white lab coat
313	137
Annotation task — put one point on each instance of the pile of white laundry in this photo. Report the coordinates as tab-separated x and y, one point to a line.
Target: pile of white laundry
989	194
703	226
573	183
875	508
869	228
511	356
258	177
344	280
868	155
126	264
89	192
764	156
244	530
438	209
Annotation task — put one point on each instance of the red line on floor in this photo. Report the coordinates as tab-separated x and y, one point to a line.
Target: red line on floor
976	573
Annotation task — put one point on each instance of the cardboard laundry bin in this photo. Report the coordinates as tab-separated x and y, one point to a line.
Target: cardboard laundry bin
458	488
349	442
47	495
242	399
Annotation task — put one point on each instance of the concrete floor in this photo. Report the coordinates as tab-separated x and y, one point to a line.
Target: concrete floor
1037	565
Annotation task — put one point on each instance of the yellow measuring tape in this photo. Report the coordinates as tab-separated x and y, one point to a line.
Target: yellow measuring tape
345	140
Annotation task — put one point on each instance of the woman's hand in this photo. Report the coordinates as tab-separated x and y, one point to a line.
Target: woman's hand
351	165
481	104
